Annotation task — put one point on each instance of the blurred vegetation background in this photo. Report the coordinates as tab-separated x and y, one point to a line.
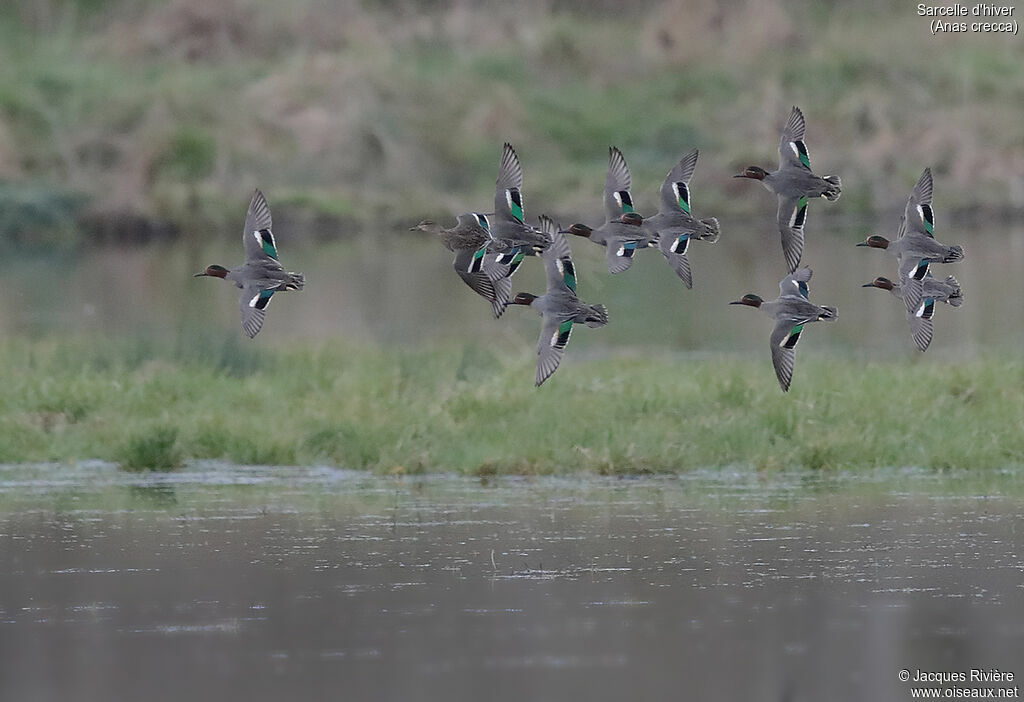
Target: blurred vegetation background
137	120
132	133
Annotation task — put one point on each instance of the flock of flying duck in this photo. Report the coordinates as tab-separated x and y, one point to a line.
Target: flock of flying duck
489	248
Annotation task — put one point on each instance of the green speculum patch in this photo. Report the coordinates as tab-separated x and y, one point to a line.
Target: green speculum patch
515	203
684	196
794	336
563	332
267	242
802	151
929	218
569	274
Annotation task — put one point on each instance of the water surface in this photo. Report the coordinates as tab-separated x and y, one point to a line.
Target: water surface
289	583
398	287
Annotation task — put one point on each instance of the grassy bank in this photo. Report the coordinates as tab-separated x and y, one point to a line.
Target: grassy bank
469	411
381	113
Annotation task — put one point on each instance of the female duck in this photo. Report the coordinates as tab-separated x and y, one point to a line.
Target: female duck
476	260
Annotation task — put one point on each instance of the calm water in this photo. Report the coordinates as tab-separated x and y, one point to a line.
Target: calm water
399	287
269	584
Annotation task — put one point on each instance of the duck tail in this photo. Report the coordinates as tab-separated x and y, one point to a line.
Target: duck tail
956	298
835	188
296	281
711	230
597	316
955	253
828	314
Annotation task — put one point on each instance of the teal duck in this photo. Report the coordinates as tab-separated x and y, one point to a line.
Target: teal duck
261	275
794	183
791	310
559	307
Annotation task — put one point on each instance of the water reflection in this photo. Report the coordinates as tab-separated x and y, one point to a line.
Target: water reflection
399	287
309	583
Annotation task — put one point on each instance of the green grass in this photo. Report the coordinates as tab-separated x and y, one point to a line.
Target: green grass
471	412
154	449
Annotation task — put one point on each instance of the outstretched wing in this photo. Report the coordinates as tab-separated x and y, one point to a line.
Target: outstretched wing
558	263
617	198
508	196
912	273
783	340
796	283
921	323
918	216
472	267
619	253
792	216
675	191
258	237
792	150
674	249
554	335
253	305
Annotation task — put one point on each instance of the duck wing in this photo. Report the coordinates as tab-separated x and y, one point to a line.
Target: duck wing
912	272
508	196
675	191
921	322
471	266
619	252
617	198
561	272
792	150
792	216
258	237
918	215
796	283
674	250
783	342
473	226
253	305
554	335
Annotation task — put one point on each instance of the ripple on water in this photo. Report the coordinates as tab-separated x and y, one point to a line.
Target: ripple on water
313	579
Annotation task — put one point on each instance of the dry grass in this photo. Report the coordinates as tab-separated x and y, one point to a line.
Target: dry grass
389	111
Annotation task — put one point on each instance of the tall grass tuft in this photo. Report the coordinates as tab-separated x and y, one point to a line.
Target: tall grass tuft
156	449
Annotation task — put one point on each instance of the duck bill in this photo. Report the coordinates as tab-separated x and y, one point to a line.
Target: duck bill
868	285
737	302
741	175
200	275
863	243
